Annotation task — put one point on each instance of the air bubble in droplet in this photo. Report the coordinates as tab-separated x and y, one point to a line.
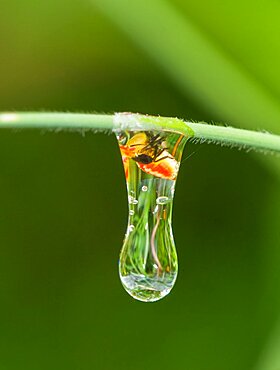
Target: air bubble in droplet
132	200
162	200
144	188
131	228
131	212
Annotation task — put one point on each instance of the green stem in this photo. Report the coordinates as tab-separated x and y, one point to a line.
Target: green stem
100	122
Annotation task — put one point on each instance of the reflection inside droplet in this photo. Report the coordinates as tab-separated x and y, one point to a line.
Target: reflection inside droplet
148	261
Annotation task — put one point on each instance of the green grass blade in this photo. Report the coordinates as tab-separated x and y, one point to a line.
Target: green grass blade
270	358
199	132
195	63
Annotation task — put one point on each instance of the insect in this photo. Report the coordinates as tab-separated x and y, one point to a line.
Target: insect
151	155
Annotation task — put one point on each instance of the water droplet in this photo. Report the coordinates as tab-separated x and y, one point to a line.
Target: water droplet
148	263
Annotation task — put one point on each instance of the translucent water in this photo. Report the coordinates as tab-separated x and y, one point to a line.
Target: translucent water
148	264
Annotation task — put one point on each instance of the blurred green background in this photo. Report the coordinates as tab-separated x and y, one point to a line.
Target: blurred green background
63	208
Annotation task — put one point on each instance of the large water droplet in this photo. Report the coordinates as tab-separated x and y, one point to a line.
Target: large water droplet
148	263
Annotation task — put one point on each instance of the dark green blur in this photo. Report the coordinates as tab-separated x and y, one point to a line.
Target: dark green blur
63	209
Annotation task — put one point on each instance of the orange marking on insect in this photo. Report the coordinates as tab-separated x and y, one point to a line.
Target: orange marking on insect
126	155
150	156
166	168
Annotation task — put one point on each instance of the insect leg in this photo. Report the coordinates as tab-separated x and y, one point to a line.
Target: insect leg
160	159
